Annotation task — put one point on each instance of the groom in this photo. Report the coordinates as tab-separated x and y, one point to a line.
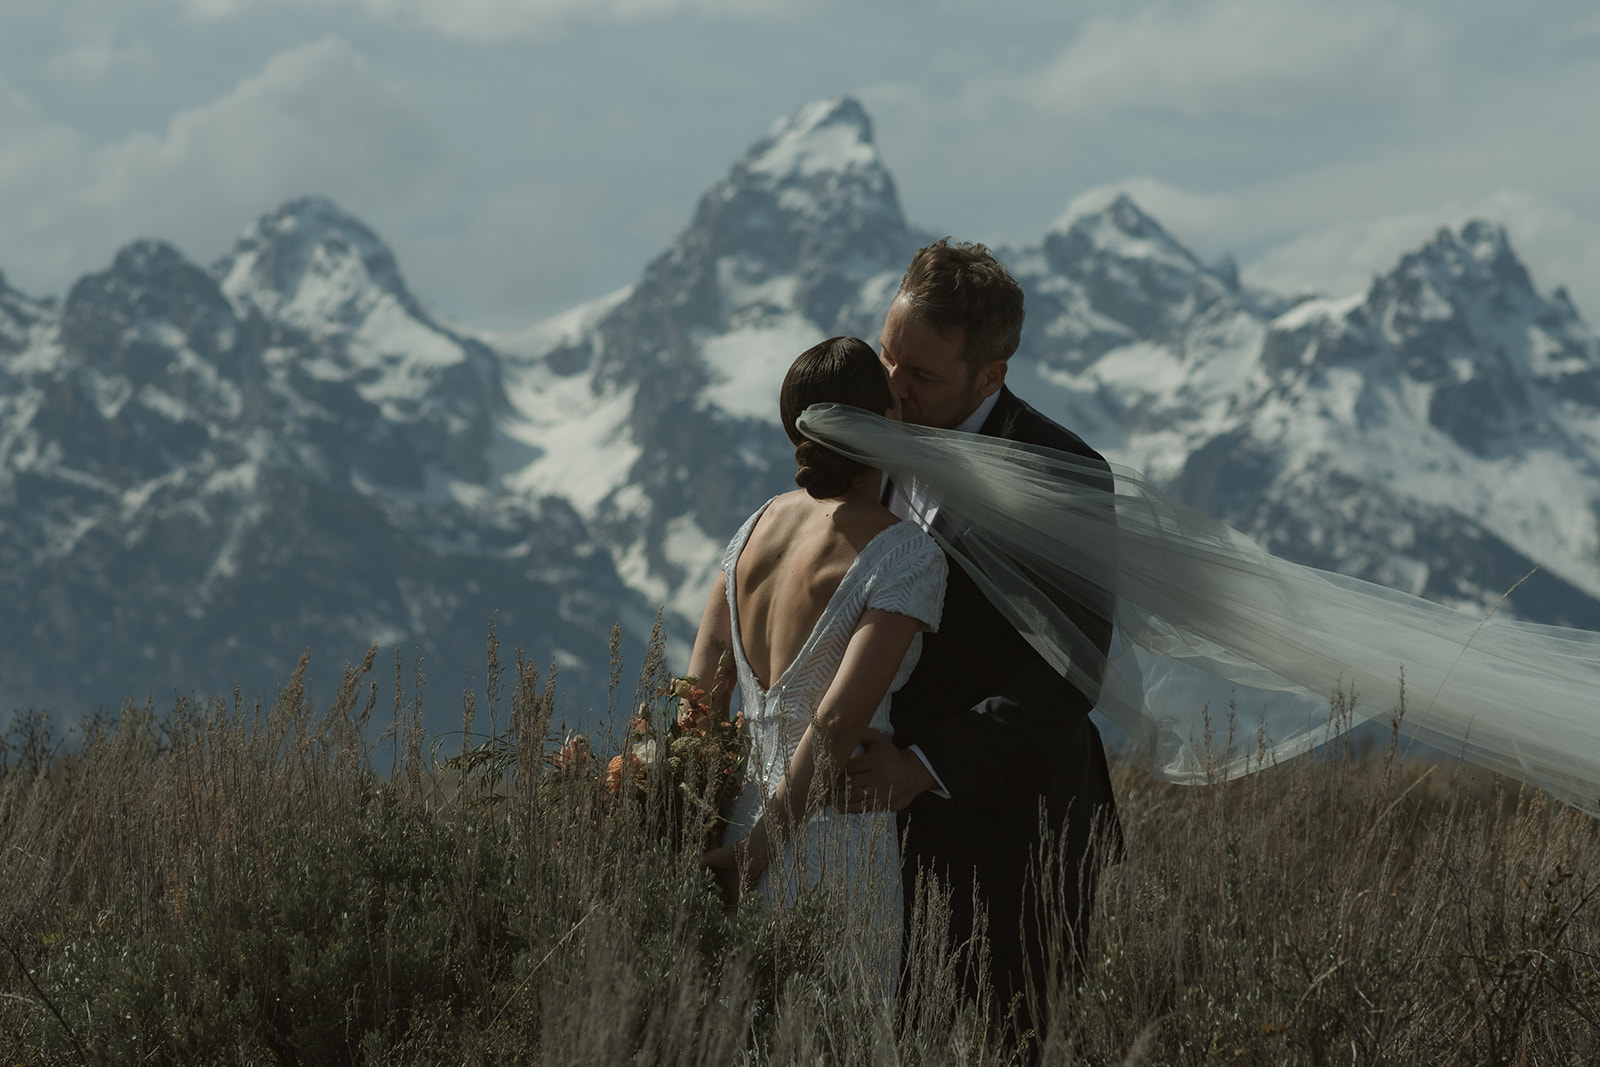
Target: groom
985	731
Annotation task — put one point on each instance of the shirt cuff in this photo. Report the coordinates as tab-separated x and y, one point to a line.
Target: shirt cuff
938	789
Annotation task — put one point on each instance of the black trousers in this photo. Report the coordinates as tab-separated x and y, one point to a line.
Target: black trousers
1030	874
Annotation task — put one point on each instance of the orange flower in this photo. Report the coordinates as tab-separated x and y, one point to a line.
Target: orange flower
575	753
625	763
694	714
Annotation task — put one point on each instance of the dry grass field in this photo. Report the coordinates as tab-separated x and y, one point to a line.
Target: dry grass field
235	883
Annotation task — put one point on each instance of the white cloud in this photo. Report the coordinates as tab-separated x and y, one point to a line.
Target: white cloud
315	119
488	20
1255	57
94	55
524	253
1559	246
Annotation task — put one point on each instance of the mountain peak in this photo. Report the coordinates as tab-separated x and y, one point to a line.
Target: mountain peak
146	257
1460	269
1130	218
798	224
816	169
822	137
147	279
1107	254
309	248
123	318
1487	240
314	218
1122	228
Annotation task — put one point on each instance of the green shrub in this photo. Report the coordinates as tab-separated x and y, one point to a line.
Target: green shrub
236	884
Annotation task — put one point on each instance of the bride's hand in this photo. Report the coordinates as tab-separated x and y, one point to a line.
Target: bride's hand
724	863
883	777
737	866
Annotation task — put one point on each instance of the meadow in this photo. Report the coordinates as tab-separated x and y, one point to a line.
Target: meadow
239	882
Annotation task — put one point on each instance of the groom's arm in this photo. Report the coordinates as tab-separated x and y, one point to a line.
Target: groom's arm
1032	717
1032	720
1012	737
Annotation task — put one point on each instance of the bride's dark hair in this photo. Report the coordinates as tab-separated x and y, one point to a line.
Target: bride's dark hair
841	370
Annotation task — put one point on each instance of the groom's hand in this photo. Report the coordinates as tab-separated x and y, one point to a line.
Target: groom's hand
883	777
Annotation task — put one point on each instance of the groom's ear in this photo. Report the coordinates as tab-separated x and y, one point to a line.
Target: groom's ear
991	376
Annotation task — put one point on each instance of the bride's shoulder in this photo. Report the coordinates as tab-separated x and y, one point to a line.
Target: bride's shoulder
778	507
781	512
777	518
906	538
909	575
792	502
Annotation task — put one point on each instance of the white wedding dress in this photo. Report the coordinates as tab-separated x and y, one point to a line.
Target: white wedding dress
900	570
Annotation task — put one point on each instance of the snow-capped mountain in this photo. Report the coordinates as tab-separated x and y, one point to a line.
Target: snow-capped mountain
1436	434
655	410
204	471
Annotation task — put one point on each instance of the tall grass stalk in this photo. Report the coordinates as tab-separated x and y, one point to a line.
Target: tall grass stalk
234	882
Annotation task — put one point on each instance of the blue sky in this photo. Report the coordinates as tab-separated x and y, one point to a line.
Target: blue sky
524	155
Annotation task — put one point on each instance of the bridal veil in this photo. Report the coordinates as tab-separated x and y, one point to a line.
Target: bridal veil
1225	659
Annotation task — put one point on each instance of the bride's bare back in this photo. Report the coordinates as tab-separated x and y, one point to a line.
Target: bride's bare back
798	553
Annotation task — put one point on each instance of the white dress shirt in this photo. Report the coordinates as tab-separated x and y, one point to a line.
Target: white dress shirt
912	501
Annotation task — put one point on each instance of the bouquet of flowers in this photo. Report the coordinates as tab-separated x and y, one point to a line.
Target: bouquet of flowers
700	754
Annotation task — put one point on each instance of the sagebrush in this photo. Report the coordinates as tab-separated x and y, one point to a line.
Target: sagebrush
237	883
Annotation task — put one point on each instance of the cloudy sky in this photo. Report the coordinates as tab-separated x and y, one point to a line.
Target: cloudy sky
524	155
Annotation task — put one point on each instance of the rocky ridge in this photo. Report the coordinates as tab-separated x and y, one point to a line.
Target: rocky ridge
203	471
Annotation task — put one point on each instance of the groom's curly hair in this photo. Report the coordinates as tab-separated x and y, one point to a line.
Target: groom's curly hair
840	370
952	286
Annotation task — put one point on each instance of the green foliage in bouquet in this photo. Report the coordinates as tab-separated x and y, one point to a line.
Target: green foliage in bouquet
685	759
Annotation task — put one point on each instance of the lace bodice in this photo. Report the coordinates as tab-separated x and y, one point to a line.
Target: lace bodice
900	570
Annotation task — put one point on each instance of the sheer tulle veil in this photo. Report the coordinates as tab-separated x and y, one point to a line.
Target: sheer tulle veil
1224	659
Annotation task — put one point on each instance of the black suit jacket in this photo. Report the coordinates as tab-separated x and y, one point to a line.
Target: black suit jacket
999	725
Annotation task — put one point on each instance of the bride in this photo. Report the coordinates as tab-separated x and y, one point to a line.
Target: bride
822	601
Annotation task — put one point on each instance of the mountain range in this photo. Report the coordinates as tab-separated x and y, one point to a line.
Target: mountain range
206	470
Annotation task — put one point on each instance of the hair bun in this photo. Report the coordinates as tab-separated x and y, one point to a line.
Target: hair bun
822	472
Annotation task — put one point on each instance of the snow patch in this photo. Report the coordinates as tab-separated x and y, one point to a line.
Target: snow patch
688	546
573	326
584	443
1317	310
807	143
739	291
164	404
633	567
748	365
391	337
1142	368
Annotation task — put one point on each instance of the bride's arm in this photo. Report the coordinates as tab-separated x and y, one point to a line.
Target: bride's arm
712	660
864	676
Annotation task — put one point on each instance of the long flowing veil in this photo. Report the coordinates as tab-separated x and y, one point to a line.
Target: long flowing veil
1225	658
